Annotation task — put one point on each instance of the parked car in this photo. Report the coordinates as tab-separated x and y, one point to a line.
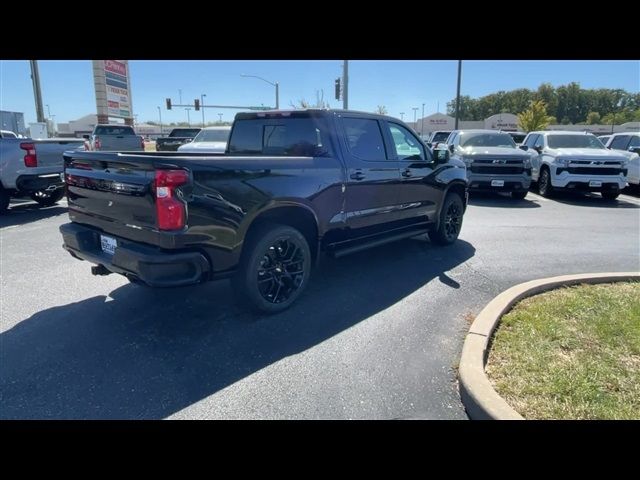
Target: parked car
290	186
209	140
114	138
33	168
7	134
177	137
628	144
518	137
438	137
574	161
493	161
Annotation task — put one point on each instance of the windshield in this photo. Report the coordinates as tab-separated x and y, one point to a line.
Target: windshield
574	141
217	135
440	136
518	137
487	140
184	132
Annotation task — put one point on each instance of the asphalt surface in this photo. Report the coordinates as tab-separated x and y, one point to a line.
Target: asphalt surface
377	335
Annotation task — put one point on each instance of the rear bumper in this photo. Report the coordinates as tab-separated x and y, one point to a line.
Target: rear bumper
150	265
35	183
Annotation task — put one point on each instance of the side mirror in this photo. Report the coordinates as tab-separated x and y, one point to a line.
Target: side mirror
86	137
429	144
538	149
441	156
451	148
524	147
635	149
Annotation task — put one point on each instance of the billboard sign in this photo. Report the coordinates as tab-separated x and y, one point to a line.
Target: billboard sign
113	90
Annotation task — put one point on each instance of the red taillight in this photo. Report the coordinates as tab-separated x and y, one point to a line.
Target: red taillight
97	143
170	211
30	159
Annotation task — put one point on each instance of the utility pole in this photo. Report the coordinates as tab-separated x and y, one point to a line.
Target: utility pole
345	84
160	114
415	111
458	94
220	115
202	106
35	76
188	119
401	115
180	95
422	122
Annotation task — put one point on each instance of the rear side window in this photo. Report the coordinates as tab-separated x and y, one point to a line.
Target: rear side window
114	130
619	142
364	138
531	140
186	132
289	137
635	141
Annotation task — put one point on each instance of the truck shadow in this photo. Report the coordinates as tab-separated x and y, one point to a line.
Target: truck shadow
143	353
23	213
591	200
501	200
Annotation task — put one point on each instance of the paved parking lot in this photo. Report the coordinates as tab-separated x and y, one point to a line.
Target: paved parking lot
377	334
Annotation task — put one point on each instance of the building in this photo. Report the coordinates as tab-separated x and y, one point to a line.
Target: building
12	121
85	125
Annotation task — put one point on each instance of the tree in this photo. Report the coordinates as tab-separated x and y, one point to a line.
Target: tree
535	117
593	118
381	110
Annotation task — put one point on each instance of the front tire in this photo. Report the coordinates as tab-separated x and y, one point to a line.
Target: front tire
610	194
450	220
275	268
544	183
519	195
46	199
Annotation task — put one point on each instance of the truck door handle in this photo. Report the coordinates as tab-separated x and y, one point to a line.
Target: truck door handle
406	173
357	176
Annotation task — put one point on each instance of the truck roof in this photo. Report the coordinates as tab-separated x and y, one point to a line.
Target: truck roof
305	112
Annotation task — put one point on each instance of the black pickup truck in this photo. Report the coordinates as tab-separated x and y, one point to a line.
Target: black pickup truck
291	185
177	137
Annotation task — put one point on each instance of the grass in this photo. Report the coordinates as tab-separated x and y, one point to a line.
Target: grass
572	353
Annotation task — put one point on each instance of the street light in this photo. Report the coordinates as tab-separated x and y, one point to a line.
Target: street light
188	119
401	115
220	115
415	110
48	111
422	122
202	106
160	114
270	83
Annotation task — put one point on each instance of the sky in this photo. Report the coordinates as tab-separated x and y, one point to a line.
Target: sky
67	86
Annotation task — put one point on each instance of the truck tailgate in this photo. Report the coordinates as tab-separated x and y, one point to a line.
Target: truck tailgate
49	152
116	189
120	143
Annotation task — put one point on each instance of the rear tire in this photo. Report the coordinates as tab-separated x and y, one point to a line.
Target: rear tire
274	269
544	183
5	198
46	199
519	195
450	220
610	194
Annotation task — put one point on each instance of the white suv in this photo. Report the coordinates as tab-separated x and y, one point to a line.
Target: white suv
628	144
574	161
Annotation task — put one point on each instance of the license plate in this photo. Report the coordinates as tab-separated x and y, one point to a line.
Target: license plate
497	183
595	183
108	244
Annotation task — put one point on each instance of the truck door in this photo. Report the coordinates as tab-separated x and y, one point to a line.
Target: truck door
372	203
418	193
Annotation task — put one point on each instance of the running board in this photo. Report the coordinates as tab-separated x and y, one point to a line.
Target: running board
377	242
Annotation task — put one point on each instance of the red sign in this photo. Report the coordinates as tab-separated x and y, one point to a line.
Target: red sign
113	104
114	66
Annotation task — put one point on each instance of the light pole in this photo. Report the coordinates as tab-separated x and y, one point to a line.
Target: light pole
458	93
276	84
202	106
220	116
401	115
422	122
415	111
188	119
48	111
160	115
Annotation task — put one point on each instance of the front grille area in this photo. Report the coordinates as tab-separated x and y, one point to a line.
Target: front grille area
497	170
593	171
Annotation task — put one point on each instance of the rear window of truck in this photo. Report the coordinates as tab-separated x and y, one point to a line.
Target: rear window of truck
184	132
289	137
114	130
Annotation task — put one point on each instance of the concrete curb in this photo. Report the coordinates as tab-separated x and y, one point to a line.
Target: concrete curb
480	400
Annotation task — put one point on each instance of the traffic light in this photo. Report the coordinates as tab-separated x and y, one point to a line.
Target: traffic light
168	104
337	88
196	104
